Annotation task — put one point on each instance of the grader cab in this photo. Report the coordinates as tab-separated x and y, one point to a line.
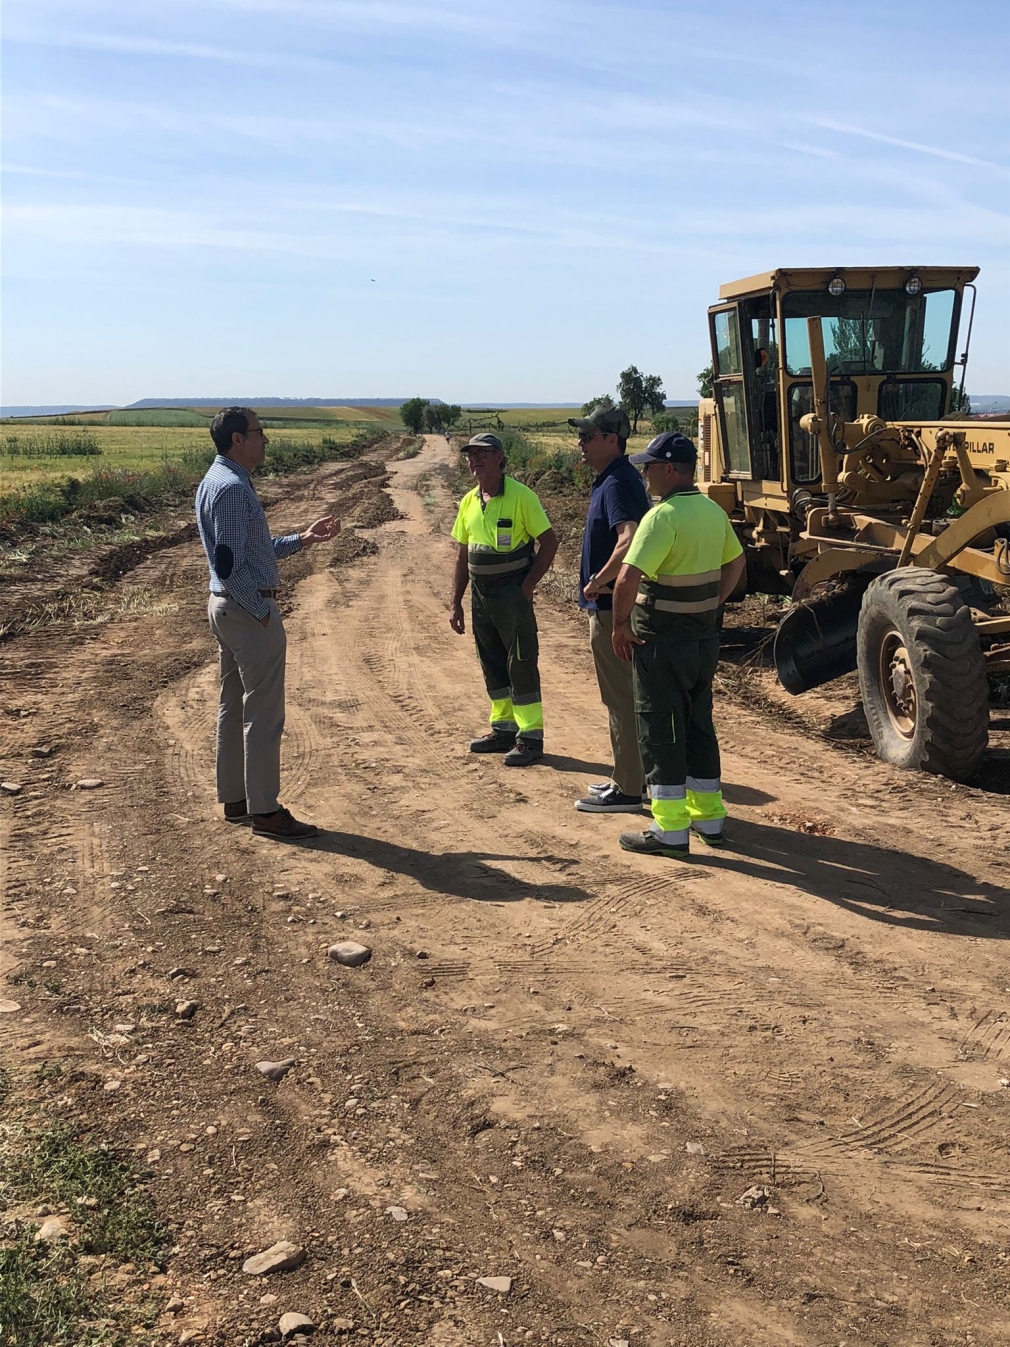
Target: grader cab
833	441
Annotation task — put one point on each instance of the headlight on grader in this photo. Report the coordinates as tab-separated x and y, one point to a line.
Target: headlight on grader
913	285
836	286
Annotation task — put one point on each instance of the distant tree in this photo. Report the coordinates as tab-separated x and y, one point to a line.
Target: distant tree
604	400
412	414
439	416
655	398
705	378
960	403
639	392
663	421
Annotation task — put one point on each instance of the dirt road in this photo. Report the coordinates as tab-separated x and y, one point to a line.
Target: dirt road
566	1065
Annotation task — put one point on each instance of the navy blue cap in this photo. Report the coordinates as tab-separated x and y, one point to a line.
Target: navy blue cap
670	447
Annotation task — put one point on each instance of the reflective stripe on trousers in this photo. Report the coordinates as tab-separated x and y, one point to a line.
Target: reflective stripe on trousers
676	809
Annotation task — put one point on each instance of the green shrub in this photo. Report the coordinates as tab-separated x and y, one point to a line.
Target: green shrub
530	460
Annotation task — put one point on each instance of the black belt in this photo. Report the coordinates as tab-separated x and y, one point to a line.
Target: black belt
269	593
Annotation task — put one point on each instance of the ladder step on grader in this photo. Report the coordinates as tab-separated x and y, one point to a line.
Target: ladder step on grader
839	445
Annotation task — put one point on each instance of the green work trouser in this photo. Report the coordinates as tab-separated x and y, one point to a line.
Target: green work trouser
680	752
505	630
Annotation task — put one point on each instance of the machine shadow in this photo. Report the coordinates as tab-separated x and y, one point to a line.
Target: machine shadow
874	882
457	874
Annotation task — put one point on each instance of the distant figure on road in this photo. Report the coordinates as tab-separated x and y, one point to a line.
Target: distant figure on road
246	621
683	563
617	503
495	528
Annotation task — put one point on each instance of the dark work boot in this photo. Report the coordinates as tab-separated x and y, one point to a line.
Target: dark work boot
498	741
648	844
282	823
525	753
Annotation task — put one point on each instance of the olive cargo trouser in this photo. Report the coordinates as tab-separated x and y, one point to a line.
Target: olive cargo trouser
680	751
505	630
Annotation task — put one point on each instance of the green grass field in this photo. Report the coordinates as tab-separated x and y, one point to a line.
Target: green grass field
36	448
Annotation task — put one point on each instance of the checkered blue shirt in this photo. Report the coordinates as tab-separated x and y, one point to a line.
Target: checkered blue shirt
241	554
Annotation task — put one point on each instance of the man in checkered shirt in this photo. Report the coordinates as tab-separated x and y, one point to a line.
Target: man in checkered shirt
244	617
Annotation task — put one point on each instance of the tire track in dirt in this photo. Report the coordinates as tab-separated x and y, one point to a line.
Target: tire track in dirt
408	684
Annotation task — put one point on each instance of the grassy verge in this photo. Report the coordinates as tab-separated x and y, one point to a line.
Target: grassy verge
102	496
51	1293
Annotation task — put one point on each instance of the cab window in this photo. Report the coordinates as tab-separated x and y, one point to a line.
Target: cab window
804	452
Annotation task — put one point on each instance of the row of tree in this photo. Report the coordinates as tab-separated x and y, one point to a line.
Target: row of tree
640	393
637	393
422	416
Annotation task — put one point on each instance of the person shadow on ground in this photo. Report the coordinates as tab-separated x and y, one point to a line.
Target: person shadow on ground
914	892
456	874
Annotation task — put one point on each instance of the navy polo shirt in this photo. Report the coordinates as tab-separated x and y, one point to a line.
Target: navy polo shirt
618	497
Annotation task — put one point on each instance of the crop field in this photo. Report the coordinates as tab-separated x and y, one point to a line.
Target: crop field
38	448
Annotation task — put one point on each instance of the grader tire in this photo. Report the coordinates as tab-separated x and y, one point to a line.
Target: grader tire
922	674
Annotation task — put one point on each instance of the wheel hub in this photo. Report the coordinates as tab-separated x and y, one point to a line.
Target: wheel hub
898	683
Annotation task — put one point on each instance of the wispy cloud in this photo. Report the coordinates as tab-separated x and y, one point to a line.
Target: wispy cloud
936	151
125	45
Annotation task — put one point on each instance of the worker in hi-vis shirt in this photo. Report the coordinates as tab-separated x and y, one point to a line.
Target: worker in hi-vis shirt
506	547
683	563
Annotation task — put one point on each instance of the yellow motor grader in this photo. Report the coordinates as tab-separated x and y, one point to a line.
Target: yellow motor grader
833	442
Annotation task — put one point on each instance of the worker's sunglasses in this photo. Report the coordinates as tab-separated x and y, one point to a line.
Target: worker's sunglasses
586	435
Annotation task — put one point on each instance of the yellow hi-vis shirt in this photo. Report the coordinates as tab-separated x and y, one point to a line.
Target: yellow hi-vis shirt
681	547
499	533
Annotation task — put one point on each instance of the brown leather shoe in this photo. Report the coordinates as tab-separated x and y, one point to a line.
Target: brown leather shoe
282	824
237	812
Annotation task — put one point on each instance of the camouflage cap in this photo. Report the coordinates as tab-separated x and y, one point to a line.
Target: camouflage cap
604	421
485	441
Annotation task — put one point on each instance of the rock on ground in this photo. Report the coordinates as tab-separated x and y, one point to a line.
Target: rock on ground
280	1257
503	1285
295	1323
52	1231
350	953
276	1071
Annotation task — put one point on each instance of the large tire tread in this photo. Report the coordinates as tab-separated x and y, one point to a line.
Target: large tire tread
951	688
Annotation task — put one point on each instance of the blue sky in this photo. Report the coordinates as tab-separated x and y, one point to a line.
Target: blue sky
471	200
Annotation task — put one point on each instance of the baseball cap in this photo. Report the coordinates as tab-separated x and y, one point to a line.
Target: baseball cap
604	421
485	441
670	447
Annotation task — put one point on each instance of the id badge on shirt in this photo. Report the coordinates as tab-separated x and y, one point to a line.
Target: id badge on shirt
504	541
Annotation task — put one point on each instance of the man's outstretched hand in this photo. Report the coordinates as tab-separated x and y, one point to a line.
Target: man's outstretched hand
321	531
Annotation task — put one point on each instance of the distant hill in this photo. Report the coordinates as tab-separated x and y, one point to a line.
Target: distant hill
268	402
989	402
60	410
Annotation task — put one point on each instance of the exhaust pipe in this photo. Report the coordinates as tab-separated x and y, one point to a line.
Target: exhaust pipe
816	641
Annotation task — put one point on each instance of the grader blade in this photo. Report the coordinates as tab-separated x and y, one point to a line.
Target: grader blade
816	641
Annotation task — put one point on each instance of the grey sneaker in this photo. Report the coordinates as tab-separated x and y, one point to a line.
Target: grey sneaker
609	802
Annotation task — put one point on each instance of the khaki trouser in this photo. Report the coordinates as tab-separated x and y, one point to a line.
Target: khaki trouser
250	716
617	692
